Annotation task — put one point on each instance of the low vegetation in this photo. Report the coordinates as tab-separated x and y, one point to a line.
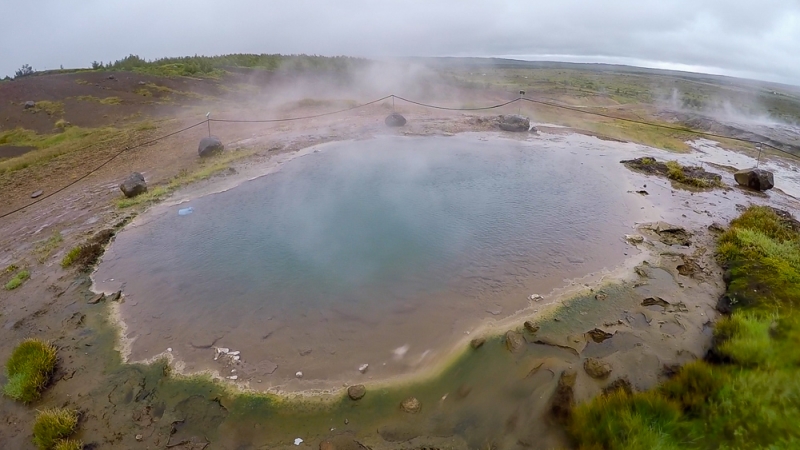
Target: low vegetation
53	426
17	280
216	66
29	369
208	167
49	146
68	444
746	394
49	107
44	249
86	255
692	176
102	101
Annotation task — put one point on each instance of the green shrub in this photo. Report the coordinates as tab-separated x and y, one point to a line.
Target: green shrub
53	425
28	370
17	281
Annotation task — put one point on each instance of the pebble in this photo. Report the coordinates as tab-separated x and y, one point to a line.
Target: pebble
363	368
299	374
298	441
139	437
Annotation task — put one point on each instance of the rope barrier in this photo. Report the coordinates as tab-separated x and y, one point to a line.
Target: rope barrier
73	182
393	97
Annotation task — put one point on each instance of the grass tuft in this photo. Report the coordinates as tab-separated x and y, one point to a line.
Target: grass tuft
68	444
17	280
53	425
44	249
28	370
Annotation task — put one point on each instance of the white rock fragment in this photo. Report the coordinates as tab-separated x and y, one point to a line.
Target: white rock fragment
299	374
298	441
236	358
234	353
233	377
535	297
399	352
169	349
363	368
634	238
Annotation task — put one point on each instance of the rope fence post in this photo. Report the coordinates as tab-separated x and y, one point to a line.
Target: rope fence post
758	161
208	121
519	100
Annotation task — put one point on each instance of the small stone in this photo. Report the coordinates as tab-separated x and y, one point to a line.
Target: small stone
477	342
597	368
356	392
535	298
634	238
169	349
233	377
514	341
29	104
411	405
363	368
601	296
530	326
346	421
97	299
298	441
599	335
299	375
37	194
139	437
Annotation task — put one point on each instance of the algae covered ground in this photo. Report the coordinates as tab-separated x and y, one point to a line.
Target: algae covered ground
746	393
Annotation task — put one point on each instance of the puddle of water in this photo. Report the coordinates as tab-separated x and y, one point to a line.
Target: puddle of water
383	252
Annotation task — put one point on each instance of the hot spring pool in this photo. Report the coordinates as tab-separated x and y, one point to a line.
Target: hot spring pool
384	252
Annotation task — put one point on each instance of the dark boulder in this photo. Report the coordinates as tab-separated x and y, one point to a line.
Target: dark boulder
356	392
395	120
758	179
210	146
514	122
133	185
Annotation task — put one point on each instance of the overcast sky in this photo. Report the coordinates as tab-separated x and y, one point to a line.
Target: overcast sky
750	38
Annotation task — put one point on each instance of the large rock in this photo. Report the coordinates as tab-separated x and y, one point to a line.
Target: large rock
395	120
514	122
597	368
133	185
210	146
758	179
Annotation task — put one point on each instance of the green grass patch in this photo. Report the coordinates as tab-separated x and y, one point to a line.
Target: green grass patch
49	107
17	280
71	256
102	101
52	426
208	168
51	146
68	444
29	369
751	398
44	249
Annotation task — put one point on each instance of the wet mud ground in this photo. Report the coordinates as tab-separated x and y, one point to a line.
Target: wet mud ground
641	320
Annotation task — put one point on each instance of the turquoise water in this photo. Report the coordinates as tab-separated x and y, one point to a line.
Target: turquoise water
348	254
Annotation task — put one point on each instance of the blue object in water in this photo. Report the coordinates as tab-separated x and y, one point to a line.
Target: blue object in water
185	211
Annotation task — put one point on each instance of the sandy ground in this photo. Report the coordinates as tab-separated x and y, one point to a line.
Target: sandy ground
118	410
